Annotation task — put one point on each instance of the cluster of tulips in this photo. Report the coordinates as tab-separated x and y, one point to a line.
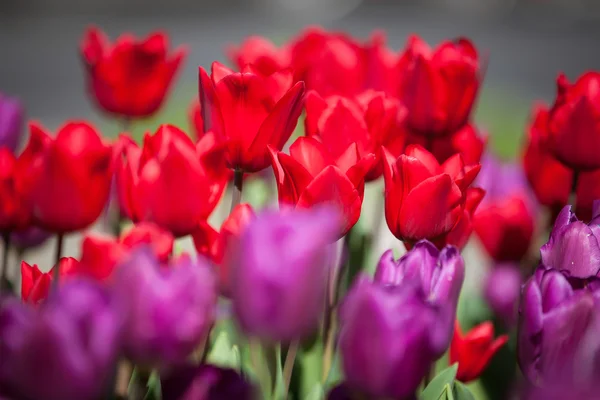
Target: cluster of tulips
278	303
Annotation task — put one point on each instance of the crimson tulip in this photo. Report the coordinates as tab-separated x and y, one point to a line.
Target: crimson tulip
460	234
311	175
213	244
131	77
170	170
35	284
15	214
371	120
68	177
416	178
262	54
474	351
196	120
249	112
438	86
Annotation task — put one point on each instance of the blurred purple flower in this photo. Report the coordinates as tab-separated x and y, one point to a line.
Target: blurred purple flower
279	268
11	122
30	237
502	290
65	349
502	180
169	310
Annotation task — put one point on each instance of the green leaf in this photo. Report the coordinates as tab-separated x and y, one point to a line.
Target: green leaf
154	388
448	392
317	393
276	369
336	374
461	392
436	387
223	353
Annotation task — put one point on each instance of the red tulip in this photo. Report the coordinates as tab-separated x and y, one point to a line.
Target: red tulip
574	122
132	77
416	179
35	284
170	181
15	214
311	175
380	65
372	120
196	119
262	54
68	177
100	255
438	86
212	244
250	112
460	234
474	350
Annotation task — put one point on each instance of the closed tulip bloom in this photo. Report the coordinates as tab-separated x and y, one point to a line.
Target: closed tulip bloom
279	267
131	77
169	169
250	112
474	350
69	176
168	310
264	56
460	234
311	175
416	178
11	122
64	350
438	86
502	291
28	238
35	284
15	210
213	244
574	122
573	246
370	120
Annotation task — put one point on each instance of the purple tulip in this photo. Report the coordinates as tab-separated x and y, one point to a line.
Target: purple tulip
502	180
573	247
558	337
30	237
205	382
11	122
502	290
279	268
64	350
169	310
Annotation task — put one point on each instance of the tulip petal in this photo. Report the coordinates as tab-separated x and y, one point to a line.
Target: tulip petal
314	105
311	154
342	124
205	239
209	103
291	177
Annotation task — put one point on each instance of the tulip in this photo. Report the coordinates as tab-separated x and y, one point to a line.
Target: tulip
11	122
168	310
279	267
169	169
196	119
131	77
311	175
573	246
68	176
474	351
213	244
502	290
371	120
205	382
63	350
28	238
264	56
460	234
416	178
35	284
15	213
574	122
438	87
249	112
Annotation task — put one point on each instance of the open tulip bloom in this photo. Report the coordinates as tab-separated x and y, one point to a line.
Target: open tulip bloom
294	297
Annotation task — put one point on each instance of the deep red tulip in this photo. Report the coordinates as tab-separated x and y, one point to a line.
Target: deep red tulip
438	86
68	177
574	122
170	181
474	350
372	120
15	213
196	119
35	284
131	77
380	65
100	254
416	179
212	243
262	54
250	112
311	175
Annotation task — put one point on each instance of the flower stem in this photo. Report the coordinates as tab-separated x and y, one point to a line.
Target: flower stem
329	321
58	255
238	183
329	345
288	365
4	270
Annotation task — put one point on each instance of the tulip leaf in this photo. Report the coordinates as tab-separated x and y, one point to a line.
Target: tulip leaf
309	367
437	386
277	374
335	375
154	387
223	353
317	393
461	392
447	395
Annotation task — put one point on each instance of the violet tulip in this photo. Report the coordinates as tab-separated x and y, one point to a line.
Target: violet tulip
11	122
502	290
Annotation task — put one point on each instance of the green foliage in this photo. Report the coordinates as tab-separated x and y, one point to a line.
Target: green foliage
224	354
445	387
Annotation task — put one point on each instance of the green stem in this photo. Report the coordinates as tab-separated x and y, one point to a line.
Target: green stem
288	366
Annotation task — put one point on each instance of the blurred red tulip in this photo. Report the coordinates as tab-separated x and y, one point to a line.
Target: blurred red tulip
170	181
213	244
68	178
250	112
311	175
474	351
416	179
15	213
132	77
264	56
439	86
35	284
196	119
371	120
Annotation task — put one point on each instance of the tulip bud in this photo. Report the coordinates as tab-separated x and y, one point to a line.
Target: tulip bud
15	210
28	238
11	122
35	284
64	350
279	268
261	53
502	290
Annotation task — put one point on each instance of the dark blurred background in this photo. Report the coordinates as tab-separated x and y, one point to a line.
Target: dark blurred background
528	43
